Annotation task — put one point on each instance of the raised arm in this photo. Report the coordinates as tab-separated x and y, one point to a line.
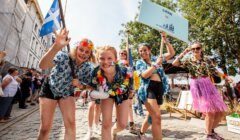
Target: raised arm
170	50
176	62
61	41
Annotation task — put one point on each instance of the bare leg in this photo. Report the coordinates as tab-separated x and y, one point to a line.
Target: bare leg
209	120
97	114
217	119
145	124
130	110
47	109
154	111
122	118
67	107
91	113
107	109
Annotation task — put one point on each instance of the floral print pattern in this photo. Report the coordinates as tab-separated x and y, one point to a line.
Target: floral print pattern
142	66
198	68
61	78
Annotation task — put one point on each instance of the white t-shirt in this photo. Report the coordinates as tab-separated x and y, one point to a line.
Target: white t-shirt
11	89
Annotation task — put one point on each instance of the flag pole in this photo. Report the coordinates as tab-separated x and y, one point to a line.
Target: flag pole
127	46
63	19
68	46
161	48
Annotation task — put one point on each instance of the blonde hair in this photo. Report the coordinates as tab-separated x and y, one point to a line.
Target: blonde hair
73	53
123	50
106	48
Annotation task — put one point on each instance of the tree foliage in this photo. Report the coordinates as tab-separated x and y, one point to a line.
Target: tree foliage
216	24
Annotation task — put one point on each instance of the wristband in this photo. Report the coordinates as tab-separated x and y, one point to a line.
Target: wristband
156	66
179	57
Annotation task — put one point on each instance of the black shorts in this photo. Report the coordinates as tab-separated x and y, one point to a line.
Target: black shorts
120	98
155	91
47	93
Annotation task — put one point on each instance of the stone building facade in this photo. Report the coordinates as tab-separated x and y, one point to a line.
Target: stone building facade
20	22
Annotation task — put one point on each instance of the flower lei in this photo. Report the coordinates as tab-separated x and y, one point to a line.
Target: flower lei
116	90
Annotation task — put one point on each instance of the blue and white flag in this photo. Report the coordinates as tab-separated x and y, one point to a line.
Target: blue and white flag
52	20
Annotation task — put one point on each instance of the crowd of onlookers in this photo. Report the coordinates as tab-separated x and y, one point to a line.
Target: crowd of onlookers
19	85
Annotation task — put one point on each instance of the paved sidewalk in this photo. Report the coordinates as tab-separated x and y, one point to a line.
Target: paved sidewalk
173	128
18	114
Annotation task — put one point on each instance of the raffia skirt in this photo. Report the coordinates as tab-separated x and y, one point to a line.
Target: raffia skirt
206	97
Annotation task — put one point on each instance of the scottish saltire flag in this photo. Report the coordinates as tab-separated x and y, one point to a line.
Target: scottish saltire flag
130	57
52	20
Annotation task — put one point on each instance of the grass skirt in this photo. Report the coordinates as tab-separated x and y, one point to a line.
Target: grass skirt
206	97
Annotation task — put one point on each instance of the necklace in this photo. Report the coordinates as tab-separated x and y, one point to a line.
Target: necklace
120	85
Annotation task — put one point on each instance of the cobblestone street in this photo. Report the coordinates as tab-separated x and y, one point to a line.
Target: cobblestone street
173	128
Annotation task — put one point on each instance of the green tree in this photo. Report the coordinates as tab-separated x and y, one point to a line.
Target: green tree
216	24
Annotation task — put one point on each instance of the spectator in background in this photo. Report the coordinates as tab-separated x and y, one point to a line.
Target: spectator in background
2	55
237	91
9	85
25	89
31	96
37	85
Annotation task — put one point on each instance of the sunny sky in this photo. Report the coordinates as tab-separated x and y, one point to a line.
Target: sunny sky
98	20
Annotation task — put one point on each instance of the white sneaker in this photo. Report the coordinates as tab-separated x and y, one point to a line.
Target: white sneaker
98	95
88	135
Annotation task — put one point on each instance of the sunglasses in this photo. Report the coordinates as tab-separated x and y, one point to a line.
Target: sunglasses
196	49
123	53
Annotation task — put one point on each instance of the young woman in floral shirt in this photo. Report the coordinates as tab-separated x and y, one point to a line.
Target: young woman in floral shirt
61	83
153	85
116	81
206	98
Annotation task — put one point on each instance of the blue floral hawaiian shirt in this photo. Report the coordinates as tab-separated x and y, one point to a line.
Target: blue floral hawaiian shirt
141	66
61	78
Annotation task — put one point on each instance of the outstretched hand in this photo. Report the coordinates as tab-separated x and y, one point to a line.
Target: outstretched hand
159	60
75	82
61	39
186	50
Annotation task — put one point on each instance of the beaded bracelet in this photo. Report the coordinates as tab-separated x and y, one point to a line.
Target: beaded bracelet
156	66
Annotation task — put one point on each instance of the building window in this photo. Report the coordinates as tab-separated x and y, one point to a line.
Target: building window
36	66
29	60
36	28
33	62
36	47
33	41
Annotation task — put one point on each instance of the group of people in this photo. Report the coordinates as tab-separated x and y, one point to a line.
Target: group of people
16	88
110	82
